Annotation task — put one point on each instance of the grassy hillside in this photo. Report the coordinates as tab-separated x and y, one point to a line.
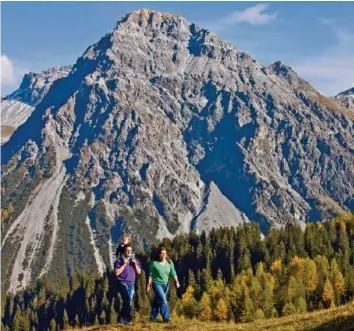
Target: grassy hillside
335	319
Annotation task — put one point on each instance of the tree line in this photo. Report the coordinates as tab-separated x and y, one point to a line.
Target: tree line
229	274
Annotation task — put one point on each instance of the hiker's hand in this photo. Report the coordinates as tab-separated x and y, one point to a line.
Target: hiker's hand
133	262
125	262
148	288
178	284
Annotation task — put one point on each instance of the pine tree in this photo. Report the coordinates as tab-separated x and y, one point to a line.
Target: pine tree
204	308
328	294
105	285
172	297
142	300
77	321
52	325
206	280
221	311
198	285
248	309
276	267
33	319
309	275
339	287
65	320
292	286
259	315
300	305
189	303
289	309
190	307
17	323
219	275
256	292
191	278
105	304
103	317
267	301
245	262
113	315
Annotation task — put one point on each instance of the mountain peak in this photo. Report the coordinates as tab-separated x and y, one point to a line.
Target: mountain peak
144	17
347	92
44	77
282	70
346	98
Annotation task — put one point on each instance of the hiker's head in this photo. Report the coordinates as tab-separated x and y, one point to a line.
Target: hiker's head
127	239
128	250
161	255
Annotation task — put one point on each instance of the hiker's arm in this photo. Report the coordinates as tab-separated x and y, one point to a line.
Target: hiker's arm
173	274
177	282
120	269
149	284
136	267
148	287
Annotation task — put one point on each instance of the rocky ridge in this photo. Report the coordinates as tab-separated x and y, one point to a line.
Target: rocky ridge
18	106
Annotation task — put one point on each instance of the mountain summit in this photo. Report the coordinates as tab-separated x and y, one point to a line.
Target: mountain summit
159	128
346	98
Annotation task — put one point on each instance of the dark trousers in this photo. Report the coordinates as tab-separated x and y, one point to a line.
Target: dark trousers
126	291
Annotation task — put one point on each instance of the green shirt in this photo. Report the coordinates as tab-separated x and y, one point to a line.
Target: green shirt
160	273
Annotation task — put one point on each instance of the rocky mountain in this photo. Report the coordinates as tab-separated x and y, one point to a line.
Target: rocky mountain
162	127
17	107
346	98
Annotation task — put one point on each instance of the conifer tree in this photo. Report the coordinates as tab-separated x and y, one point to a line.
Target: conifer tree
204	308
259	315
172	297
113	318
289	309
65	320
191	278
292	286
221	311
267	301
328	294
103	317
206	280
300	305
52	325
219	275
248	309
339	287
77	321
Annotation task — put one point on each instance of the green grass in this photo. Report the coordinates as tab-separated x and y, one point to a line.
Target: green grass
335	319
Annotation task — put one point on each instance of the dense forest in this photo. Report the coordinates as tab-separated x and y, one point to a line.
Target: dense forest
229	274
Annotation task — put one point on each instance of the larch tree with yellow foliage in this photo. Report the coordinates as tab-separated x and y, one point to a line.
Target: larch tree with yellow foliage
328	294
221	311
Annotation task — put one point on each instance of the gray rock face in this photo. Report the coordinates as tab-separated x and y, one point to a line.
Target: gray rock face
18	106
217	212
346	98
162	127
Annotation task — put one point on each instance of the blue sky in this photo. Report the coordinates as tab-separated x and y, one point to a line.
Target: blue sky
314	38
